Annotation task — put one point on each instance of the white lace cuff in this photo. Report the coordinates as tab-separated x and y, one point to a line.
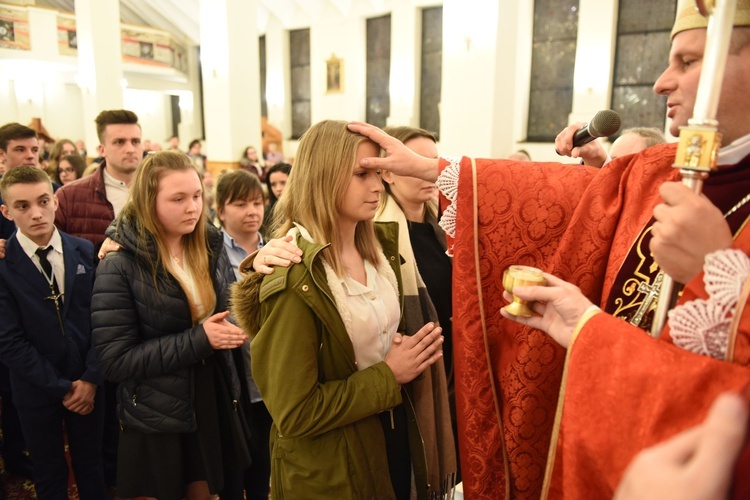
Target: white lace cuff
702	326
447	183
725	272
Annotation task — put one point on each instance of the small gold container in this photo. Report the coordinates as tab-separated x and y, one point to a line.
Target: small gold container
521	276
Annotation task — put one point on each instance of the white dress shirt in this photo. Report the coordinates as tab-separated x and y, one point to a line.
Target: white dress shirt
55	257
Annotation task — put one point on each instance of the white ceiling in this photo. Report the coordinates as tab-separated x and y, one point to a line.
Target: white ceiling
181	17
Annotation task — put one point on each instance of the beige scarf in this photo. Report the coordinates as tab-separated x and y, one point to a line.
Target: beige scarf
429	391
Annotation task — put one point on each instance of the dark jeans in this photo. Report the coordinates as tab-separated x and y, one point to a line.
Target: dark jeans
13	443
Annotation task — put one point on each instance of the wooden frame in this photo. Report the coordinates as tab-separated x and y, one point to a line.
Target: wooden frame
334	75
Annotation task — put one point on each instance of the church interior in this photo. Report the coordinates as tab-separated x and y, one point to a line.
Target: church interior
490	77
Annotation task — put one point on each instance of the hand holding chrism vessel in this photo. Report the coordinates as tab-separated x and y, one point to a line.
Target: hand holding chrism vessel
521	276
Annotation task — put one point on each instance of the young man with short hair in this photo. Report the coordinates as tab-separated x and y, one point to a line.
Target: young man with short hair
46	281
90	204
18	146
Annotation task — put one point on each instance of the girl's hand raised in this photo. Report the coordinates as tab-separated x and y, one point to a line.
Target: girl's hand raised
410	355
222	334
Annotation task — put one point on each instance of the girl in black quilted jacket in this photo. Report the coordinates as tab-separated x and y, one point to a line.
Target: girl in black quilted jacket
160	331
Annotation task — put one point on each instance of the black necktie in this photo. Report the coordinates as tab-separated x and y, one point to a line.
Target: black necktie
47	268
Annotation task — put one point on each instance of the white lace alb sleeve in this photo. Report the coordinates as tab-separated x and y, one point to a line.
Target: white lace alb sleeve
447	183
702	326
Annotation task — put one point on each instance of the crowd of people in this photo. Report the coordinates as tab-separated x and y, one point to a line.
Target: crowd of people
317	331
154	207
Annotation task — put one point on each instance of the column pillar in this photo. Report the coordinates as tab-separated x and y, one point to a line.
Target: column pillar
405	64
191	116
595	55
278	77
100	69
43	37
478	67
231	80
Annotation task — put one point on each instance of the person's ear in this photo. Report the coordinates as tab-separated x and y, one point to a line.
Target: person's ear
5	211
387	176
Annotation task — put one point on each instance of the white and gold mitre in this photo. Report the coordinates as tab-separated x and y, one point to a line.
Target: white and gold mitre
689	18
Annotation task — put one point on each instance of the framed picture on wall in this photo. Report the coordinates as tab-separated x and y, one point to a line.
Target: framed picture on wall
334	75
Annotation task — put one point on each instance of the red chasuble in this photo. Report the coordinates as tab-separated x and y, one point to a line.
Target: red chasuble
624	391
584	226
575	222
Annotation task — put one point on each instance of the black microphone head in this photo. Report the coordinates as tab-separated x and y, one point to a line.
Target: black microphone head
604	124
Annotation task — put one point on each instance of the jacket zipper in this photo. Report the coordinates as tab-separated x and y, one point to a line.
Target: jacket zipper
133	395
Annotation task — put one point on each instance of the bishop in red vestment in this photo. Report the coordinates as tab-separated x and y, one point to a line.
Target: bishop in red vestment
590	228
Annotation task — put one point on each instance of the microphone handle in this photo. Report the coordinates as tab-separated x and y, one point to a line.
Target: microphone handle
582	136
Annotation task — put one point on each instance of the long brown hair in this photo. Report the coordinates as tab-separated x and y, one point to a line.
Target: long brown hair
141	207
322	171
55	156
76	161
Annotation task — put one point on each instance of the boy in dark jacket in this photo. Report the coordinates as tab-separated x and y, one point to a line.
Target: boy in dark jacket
46	282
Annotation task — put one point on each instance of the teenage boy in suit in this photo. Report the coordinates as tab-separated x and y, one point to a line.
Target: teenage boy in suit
46	281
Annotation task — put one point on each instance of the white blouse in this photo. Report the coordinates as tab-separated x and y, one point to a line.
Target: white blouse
375	315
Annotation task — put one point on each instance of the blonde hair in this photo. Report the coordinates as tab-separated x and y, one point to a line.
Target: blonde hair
141	207
322	172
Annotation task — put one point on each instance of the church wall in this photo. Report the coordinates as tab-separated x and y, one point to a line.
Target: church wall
153	110
42	83
485	81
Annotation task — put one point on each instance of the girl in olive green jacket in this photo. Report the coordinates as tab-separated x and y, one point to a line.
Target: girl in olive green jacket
329	362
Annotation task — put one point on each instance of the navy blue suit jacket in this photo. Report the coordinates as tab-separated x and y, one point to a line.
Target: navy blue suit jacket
42	359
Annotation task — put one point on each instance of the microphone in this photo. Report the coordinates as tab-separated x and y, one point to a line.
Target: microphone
604	124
